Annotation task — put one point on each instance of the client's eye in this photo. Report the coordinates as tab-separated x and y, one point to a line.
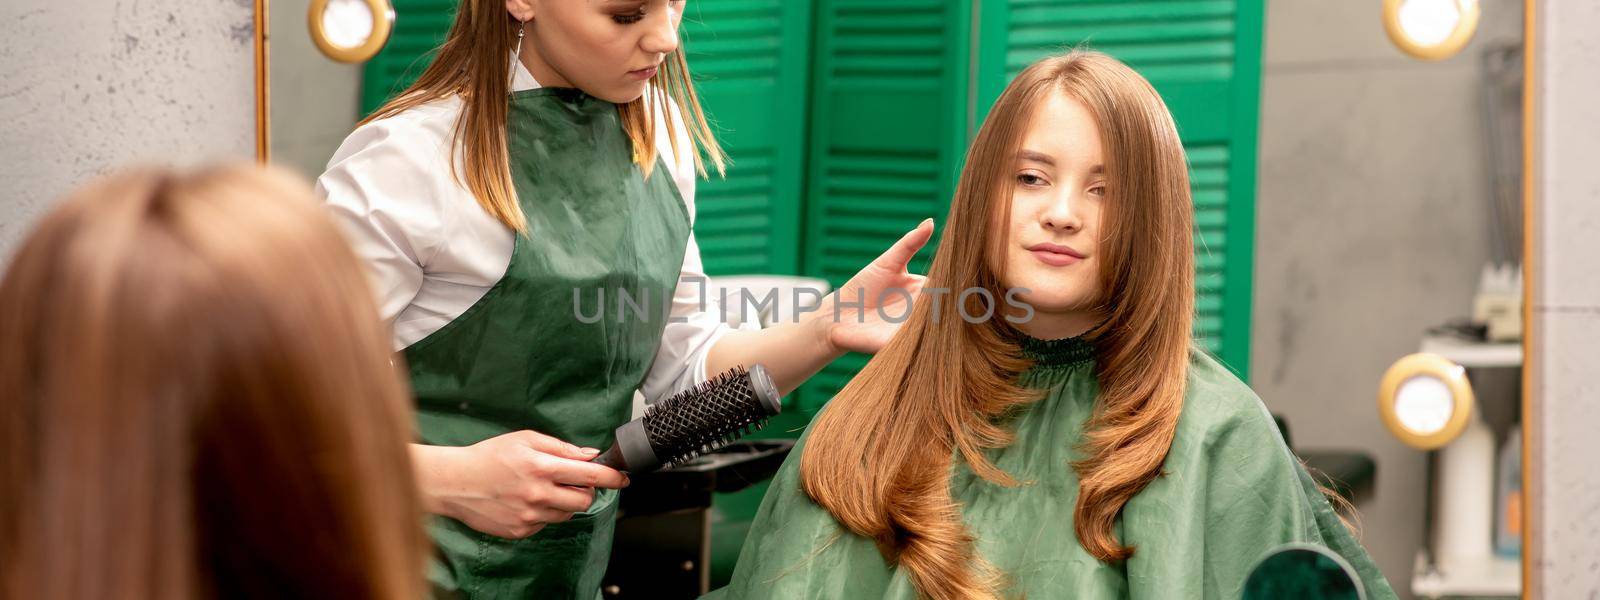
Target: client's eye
1030	179
629	18
1098	190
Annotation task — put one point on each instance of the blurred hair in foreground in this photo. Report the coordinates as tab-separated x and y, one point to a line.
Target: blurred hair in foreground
196	401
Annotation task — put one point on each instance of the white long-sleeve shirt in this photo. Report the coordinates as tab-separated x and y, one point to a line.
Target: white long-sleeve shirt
432	251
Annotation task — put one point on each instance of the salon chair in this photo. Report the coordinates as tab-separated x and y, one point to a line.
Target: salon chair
1348	473
663	543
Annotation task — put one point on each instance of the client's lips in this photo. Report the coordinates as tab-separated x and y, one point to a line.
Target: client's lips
1055	254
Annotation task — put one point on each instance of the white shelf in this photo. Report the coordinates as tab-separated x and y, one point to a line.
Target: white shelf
1474	355
1495	576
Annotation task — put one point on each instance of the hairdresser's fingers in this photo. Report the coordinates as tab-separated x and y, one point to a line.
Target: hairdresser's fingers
530	521
512	532
511	523
904	291
914	284
579	473
899	255
551	445
563	498
527	531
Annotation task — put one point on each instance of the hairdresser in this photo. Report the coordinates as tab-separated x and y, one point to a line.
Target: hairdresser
544	163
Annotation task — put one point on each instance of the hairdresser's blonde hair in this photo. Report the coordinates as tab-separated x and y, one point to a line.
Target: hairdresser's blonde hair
878	457
198	401
475	62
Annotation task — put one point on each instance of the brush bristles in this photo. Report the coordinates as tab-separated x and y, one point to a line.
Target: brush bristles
710	416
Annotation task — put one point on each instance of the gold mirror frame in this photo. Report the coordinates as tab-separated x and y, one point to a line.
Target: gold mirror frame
263	95
1452	375
1447	48
1532	494
382	25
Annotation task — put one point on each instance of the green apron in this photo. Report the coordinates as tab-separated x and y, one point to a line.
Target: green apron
561	342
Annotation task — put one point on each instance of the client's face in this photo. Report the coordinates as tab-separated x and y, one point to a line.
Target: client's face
1055	218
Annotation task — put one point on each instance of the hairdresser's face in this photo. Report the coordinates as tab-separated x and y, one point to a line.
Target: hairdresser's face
608	48
1053	246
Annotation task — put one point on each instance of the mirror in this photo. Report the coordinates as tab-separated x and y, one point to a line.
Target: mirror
1430	29
1425	400
315	100
1347	206
1304	572
350	31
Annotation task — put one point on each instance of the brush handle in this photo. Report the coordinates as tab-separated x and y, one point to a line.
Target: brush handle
631	453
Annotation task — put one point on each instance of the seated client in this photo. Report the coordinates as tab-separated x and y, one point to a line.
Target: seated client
1043	425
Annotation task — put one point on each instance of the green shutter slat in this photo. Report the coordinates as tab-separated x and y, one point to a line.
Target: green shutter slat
1119	10
879	207
1209	198
888	185
754	223
1212	29
1212	240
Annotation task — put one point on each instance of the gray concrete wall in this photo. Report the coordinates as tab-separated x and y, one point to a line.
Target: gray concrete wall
1566	306
1371	227
89	85
314	99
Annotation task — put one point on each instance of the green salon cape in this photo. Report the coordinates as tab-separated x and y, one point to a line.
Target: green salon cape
1231	491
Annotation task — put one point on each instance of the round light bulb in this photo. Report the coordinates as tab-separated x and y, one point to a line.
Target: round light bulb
347	23
350	31
1430	29
1425	400
1424	404
1429	22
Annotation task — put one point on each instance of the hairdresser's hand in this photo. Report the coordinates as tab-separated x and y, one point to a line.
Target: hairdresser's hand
884	290
512	485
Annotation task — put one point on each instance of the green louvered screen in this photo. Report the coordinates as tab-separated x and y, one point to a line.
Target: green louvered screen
1204	57
889	119
419	27
750	59
890	115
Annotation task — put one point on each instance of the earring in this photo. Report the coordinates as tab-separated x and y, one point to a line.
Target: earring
521	31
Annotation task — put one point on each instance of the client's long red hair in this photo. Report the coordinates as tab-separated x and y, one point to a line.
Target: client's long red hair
196	401
878	457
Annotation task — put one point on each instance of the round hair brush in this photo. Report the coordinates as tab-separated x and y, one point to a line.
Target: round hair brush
710	416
